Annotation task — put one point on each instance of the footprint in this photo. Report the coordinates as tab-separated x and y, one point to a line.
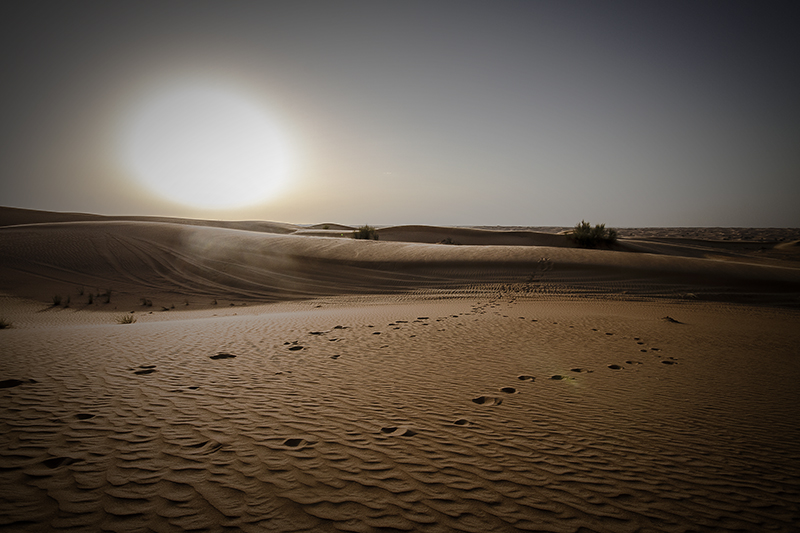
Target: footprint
146	369
337	356
222	356
525	378
398	431
671	320
508	390
633	362
84	416
8	383
295	348
487	400
55	462
668	362
295	442
615	367
462	422
206	447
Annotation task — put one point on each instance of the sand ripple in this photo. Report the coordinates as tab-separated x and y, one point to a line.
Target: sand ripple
233	431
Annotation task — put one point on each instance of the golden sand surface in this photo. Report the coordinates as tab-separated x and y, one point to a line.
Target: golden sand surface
275	379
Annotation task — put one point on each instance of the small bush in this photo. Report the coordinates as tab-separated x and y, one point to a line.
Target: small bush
586	235
91	298
4	324
126	319
56	300
365	232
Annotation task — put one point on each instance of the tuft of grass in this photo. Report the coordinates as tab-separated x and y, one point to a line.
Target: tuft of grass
365	232
587	236
126	319
4	324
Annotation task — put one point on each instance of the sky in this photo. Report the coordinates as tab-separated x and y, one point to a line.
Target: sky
511	113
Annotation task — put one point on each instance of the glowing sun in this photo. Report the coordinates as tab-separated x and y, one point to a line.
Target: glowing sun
204	145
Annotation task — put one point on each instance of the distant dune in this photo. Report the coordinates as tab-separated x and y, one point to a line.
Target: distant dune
176	259
161	374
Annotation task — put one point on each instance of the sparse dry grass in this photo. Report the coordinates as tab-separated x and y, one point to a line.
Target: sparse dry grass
126	319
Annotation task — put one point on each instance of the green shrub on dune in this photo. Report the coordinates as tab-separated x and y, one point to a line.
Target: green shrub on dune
587	236
365	232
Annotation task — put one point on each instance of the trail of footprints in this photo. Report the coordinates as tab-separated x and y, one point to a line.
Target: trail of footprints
488	400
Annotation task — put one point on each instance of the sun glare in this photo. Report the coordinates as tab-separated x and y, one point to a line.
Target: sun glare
204	145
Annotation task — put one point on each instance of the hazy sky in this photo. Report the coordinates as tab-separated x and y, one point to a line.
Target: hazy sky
637	113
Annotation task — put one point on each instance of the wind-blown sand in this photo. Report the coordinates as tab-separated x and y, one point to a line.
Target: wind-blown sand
282	378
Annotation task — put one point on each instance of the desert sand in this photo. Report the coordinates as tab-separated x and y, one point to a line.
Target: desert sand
275	377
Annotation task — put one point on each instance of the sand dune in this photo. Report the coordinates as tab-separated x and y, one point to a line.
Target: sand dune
171	262
392	385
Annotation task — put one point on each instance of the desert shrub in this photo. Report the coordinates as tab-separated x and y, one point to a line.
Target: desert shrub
4	324
365	232
147	302
586	235
126	319
91	298
56	300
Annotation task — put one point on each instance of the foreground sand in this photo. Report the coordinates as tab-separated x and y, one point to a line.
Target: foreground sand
561	390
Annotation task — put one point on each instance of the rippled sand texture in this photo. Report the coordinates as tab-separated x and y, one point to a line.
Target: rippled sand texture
488	413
